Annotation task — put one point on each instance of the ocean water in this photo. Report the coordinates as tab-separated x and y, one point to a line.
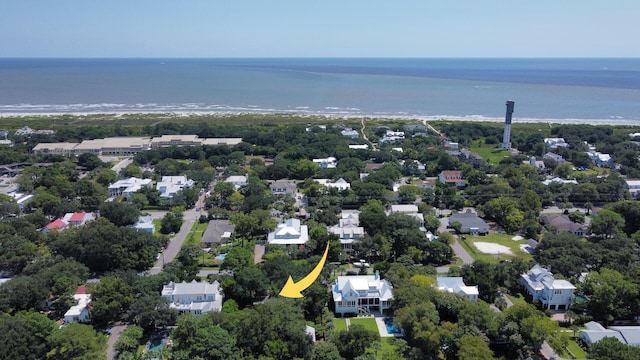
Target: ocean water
543	89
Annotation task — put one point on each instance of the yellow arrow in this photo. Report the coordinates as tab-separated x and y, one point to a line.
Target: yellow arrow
293	290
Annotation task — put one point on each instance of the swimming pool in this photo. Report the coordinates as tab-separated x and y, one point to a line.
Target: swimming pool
392	328
220	256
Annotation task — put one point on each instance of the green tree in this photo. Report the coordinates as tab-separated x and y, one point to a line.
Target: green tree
354	341
473	348
199	338
24	336
121	214
76	341
606	223
611	348
372	217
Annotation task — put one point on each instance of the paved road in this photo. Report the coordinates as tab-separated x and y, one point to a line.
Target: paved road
121	165
457	248
189	218
116	331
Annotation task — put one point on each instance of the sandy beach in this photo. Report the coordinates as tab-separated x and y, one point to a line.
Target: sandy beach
182	114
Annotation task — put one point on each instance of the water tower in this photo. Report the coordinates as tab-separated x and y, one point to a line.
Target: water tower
506	138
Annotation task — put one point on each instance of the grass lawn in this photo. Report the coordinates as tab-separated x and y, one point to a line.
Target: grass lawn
368	323
339	324
195	235
576	350
493	153
517	299
158	224
501	239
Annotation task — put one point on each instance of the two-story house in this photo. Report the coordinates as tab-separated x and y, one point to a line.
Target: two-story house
348	229
553	294
452	177
291	232
361	294
170	185
195	297
456	285
127	187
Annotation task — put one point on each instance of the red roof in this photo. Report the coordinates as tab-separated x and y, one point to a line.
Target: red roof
56	224
81	290
77	216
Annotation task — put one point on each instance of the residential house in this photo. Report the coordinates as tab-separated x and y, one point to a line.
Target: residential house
450	145
69	219
350	133
412	167
25	130
595	332
558	180
541	285
145	223
291	232
284	188
80	311
471	223
392	137
555	143
195	297
633	186
327	163
348	229
218	232
555	157
452	177
426	184
456	285
538	164
412	210
361	294
127	187
170	185
558	223
21	199
340	184
472	158
601	159
359	147
238	181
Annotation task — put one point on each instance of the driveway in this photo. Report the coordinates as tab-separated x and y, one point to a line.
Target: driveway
116	331
457	248
189	218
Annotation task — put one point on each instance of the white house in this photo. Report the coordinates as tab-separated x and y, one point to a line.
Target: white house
554	143
553	294
328	163
456	285
195	297
127	187
350	133
170	185
291	232
361	294
348	229
555	157
145	223
601	159
633	186
80	311
238	181
283	188
340	184
392	136
69	219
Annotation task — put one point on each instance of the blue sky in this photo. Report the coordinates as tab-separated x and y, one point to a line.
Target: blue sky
327	28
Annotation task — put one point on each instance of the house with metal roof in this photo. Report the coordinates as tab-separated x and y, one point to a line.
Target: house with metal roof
595	332
456	285
361	294
552	293
291	232
195	297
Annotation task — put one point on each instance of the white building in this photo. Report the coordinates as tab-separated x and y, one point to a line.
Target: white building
291	232
553	294
554	143
600	159
348	229
195	297
392	137
349	132
340	184
238	181
127	187
328	163
595	332
359	147
145	223
361	294
170	185
80	311
633	186
456	285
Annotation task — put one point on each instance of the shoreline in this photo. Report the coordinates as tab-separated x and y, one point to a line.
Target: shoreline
328	115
